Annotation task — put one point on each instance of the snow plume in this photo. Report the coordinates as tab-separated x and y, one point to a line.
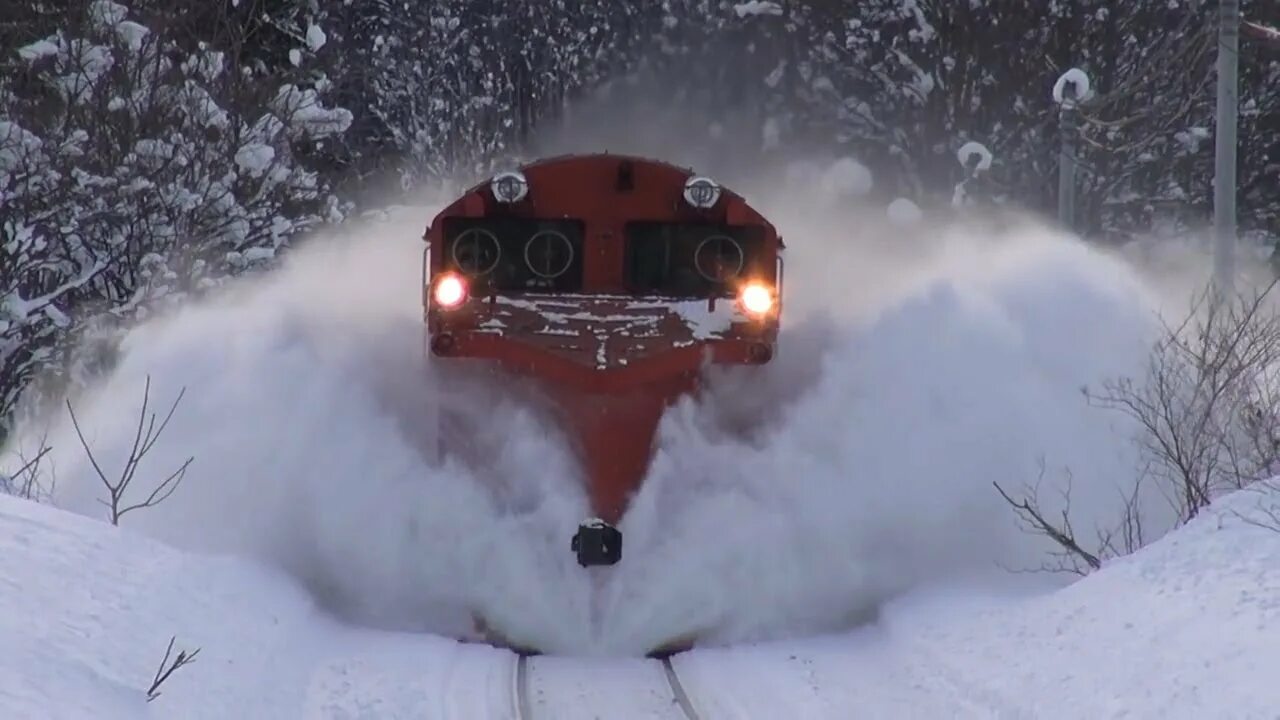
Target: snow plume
306	403
915	370
919	363
856	466
917	366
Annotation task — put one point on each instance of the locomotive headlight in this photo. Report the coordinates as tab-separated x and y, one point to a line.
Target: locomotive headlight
756	298
450	290
701	192
509	187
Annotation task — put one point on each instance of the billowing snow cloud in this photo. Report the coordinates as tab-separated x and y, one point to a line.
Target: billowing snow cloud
915	368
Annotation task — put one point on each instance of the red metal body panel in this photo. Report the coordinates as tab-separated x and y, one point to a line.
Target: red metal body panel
612	360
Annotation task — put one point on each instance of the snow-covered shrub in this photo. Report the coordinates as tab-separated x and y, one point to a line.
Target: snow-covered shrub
137	167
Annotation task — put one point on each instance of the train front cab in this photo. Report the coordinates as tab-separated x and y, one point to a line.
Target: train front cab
610	281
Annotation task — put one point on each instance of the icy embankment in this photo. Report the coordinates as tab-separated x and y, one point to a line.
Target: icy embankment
1183	629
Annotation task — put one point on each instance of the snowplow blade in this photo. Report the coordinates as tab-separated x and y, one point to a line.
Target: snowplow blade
597	543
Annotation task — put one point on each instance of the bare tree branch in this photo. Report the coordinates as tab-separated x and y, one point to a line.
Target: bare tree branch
1266	512
1208	421
1033	520
28	481
146	433
1203	412
167	668
1266	35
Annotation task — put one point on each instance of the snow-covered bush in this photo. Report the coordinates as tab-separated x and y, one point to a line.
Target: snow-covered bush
133	170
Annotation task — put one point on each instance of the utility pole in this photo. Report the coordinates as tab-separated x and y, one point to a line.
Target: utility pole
1224	175
1067	128
1071	89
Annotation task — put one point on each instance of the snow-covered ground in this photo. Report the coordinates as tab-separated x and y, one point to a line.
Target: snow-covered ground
1187	628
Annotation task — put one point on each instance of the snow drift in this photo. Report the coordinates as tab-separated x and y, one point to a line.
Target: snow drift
916	367
1177	630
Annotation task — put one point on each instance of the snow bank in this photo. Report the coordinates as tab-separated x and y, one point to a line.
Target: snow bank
1185	628
89	610
1182	629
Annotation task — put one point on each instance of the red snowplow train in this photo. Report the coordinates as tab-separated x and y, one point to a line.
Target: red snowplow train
610	282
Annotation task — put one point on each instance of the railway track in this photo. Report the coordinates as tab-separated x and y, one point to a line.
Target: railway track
520	689
678	691
523	703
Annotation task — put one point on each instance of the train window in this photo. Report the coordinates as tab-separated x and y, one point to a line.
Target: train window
690	259
513	254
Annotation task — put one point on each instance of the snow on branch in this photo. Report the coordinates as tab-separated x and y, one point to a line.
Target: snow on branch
15	309
757	7
1261	33
136	172
306	116
38	50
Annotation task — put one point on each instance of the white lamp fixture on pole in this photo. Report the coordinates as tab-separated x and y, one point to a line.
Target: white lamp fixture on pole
975	158
1070	89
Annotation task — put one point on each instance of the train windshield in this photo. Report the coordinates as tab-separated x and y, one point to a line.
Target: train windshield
691	259
514	254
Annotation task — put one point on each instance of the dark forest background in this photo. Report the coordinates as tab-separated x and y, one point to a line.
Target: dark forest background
152	149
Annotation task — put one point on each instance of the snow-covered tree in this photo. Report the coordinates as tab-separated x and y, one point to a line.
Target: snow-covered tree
150	151
453	86
134	171
914	80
